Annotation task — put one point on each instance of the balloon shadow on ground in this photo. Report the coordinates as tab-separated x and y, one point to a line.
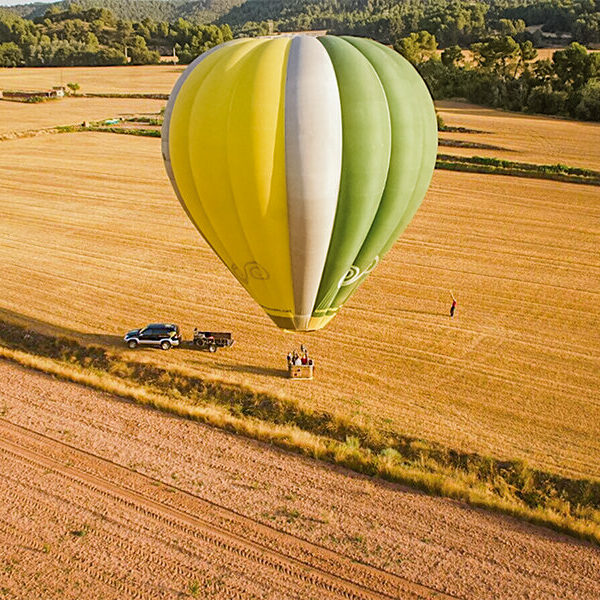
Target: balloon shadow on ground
101	339
116	341
253	369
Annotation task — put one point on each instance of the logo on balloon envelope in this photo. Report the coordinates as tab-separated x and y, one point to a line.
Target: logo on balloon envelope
354	273
251	270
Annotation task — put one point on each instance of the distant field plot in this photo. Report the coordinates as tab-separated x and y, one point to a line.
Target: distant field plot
542	54
524	138
515	374
21	116
140	79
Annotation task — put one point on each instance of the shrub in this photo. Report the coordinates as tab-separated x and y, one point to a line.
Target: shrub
543	99
10	55
588	107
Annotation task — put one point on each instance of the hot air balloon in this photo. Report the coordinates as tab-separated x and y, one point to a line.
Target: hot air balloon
300	160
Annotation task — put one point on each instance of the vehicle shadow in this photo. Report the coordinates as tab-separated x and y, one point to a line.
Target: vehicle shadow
103	339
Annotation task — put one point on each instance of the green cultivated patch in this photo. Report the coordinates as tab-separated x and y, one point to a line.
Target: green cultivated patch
498	166
123	130
465	144
147	95
509	486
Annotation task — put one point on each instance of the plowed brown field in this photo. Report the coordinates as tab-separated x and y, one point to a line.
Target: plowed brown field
524	138
93	241
103	499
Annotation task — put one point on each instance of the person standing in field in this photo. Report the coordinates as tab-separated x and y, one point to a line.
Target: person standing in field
453	306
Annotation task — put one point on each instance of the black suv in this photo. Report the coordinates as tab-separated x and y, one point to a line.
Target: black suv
163	335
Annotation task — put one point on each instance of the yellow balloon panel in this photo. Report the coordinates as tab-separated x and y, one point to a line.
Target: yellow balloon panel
256	152
179	142
229	162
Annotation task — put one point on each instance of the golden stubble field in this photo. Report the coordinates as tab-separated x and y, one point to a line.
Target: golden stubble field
523	138
155	79
352	528
17	117
93	241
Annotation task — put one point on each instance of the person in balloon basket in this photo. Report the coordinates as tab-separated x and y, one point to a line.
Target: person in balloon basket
453	305
304	358
293	359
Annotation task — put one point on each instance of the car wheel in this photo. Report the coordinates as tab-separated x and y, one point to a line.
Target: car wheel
212	348
165	345
132	344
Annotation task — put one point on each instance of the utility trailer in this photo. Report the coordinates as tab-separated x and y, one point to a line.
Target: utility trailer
212	340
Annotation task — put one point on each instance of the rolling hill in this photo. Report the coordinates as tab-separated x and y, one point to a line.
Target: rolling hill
157	10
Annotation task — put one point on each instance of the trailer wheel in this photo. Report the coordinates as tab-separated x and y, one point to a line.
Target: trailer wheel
212	348
165	345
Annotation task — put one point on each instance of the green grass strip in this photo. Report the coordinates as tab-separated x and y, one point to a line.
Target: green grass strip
466	144
149	95
453	129
122	130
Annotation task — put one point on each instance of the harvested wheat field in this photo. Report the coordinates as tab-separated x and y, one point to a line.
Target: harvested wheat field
524	138
16	117
117	501
95	246
147	79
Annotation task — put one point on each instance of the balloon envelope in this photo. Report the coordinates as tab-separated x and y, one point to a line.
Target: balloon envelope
300	160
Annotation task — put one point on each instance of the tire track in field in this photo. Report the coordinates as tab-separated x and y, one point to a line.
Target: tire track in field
335	575
459	364
143	551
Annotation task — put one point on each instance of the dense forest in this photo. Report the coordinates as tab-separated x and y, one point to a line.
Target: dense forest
95	36
502	35
451	21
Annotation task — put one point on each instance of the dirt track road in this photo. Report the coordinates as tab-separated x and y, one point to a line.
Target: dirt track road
100	498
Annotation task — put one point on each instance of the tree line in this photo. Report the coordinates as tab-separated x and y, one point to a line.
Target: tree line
205	11
501	73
